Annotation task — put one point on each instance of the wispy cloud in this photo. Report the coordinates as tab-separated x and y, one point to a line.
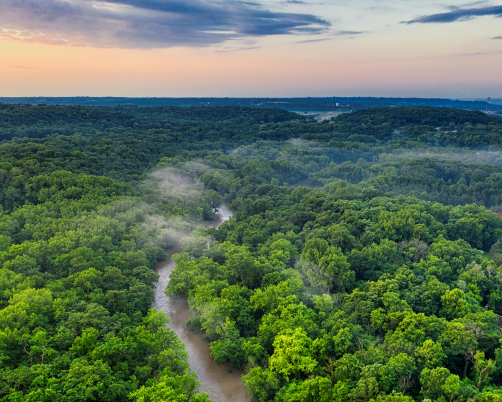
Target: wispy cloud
474	3
23	67
237	49
336	33
349	33
477	54
458	14
497	37
147	23
314	40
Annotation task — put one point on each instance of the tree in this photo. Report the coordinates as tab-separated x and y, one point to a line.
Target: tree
459	341
334	266
455	304
394	397
482	368
229	346
262	384
93	381
433	381
171	389
326	266
398	372
292	354
313	389
242	264
496	253
430	354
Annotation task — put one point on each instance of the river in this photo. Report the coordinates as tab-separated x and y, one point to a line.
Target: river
221	381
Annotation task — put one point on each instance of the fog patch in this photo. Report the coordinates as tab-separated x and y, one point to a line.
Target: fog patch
170	212
298	141
492	157
173	184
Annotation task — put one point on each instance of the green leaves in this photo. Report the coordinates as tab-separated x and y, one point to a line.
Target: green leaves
455	304
85	343
170	389
229	346
430	354
326	267
292	354
346	294
242	264
262	384
94	381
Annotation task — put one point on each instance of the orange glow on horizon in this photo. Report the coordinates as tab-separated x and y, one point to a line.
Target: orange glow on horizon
383	64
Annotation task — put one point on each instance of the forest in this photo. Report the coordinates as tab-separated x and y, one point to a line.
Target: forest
310	104
363	262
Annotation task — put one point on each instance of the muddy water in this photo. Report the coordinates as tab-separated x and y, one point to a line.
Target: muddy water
220	381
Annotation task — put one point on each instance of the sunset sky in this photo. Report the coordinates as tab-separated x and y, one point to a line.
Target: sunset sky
175	48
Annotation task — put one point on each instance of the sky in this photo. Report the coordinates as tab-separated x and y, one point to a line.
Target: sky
251	48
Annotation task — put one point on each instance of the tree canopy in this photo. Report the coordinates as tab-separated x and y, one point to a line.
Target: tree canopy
363	261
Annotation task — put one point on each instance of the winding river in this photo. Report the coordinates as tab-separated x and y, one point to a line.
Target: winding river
221	381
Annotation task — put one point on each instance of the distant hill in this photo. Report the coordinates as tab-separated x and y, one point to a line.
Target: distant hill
424	116
290	104
30	121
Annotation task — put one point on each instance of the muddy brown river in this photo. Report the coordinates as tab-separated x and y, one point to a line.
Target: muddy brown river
221	381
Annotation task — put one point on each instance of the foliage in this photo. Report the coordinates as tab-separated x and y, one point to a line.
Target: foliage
371	288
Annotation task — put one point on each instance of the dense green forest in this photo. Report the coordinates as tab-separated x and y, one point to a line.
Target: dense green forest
309	104
363	262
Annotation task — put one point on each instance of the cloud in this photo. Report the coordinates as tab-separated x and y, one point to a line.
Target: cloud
474	3
478	53
23	67
497	37
147	23
337	33
314	40
341	33
237	49
457	14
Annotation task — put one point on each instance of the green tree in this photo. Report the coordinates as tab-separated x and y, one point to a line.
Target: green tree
292	354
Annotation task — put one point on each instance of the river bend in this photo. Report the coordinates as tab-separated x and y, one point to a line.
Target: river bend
221	381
